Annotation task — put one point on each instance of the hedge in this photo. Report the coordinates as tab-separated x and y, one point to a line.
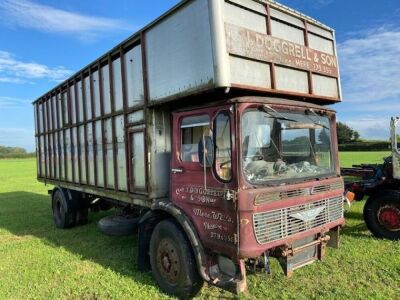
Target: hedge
16	155
366	146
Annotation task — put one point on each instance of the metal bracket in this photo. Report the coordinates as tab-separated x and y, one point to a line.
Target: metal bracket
292	258
176	171
230	195
334	241
267	266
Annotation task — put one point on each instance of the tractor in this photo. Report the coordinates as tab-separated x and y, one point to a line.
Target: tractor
381	184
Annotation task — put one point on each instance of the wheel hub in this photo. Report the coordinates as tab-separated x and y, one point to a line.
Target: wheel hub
168	261
59	208
389	217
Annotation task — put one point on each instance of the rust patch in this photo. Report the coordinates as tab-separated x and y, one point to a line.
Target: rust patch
244	221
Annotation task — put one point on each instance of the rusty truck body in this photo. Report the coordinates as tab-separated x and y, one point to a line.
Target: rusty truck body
212	122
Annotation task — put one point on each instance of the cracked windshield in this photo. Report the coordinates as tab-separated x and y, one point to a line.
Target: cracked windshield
282	145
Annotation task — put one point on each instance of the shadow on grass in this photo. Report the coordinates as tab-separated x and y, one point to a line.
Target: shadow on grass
354	215
28	214
355	225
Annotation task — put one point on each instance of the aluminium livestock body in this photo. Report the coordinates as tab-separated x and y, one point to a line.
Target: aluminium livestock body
208	121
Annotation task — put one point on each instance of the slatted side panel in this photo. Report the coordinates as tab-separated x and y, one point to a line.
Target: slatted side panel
81	128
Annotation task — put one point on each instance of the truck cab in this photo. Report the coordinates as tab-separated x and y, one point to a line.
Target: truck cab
258	177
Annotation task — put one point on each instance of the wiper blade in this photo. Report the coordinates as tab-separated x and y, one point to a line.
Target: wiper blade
280	118
319	118
265	109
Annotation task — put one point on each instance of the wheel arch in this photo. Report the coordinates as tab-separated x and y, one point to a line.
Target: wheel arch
162	210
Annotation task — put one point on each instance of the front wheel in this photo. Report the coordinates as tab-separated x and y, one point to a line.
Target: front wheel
382	215
172	261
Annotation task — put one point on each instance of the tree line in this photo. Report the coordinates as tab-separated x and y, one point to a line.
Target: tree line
349	140
346	134
14	152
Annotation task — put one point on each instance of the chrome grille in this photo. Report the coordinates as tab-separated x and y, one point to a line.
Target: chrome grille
281	223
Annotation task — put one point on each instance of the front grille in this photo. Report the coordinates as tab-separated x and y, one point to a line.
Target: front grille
271	197
293	193
326	187
275	196
281	223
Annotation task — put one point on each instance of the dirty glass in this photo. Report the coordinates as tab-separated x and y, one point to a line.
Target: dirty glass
285	145
223	152
138	159
192	130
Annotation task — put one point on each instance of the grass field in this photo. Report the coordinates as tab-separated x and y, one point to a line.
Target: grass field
347	159
38	261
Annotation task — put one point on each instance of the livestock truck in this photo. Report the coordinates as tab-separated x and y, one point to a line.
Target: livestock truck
211	123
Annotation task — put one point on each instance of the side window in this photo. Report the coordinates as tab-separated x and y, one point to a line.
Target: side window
223	146
192	129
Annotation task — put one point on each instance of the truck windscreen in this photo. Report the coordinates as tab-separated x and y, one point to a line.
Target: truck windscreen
285	145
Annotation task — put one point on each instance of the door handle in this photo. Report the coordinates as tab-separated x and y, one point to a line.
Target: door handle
177	171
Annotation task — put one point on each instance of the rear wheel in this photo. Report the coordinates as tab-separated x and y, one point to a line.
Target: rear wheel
172	261
64	213
382	215
69	211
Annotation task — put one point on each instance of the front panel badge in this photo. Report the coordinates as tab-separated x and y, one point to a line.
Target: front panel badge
308	215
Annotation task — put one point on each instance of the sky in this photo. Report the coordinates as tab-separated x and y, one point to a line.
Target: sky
42	42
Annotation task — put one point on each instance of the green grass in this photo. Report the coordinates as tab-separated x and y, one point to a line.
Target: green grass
347	159
38	261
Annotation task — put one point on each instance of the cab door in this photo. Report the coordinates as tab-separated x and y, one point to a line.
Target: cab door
206	193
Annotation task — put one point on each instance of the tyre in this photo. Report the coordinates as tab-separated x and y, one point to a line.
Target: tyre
64	212
382	215
119	225
172	261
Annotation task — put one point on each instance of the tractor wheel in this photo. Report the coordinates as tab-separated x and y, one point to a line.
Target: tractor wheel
382	215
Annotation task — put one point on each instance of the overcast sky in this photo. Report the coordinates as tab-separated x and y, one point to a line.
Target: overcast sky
42	42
